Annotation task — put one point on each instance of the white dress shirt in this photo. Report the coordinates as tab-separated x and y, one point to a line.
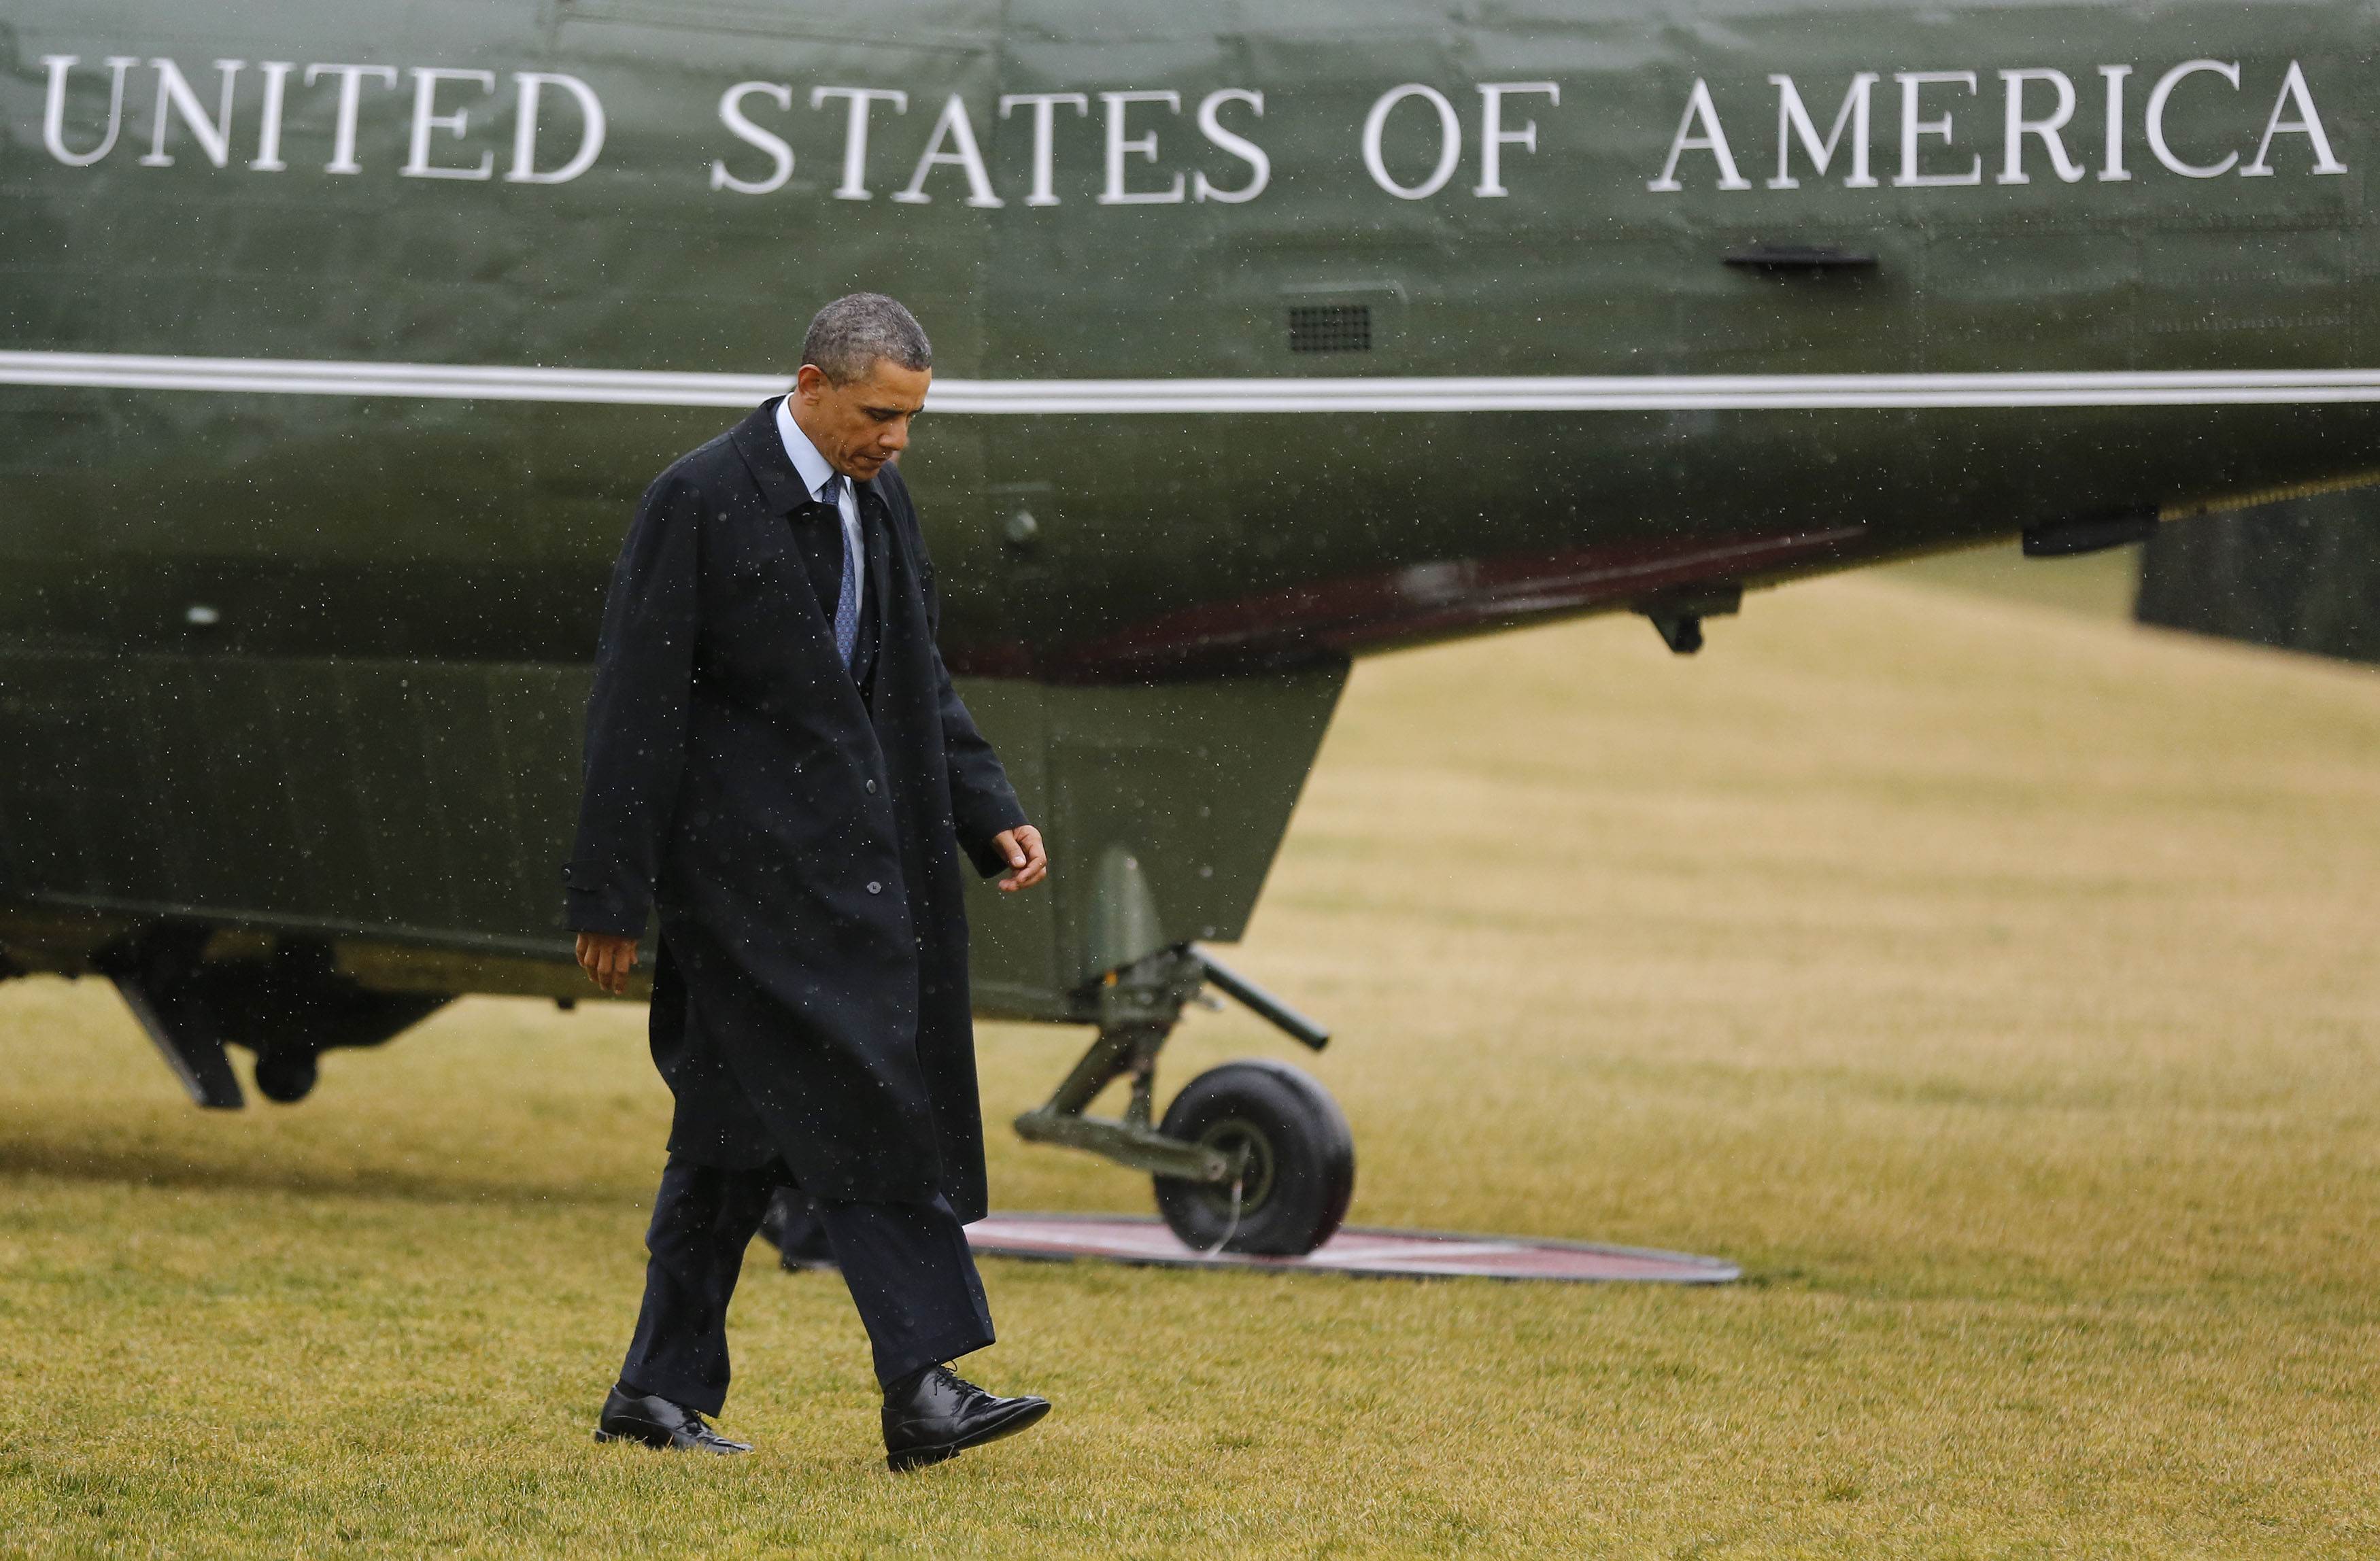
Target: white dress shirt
817	472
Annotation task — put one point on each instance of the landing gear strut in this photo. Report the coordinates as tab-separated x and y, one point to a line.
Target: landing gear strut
1252	1156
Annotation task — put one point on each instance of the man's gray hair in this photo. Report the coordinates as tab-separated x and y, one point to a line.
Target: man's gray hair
848	336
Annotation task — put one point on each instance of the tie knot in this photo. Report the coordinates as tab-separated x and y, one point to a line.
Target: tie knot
831	490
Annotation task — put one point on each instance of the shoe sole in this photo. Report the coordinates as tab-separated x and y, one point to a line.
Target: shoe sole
918	1457
661	1442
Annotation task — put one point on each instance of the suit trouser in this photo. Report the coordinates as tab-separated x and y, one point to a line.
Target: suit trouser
909	1269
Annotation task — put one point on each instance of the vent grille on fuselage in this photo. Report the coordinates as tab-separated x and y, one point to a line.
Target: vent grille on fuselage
1331	328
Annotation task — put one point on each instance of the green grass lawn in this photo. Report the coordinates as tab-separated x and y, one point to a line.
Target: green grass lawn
2101	583
1995	983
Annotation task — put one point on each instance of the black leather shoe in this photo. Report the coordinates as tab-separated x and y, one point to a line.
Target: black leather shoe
936	1414
657	1422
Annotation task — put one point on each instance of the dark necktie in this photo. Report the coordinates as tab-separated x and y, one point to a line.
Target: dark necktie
847	601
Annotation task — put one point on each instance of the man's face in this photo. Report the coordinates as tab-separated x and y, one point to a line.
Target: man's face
860	426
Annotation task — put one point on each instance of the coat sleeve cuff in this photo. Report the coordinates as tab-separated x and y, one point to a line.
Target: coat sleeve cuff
607	912
983	825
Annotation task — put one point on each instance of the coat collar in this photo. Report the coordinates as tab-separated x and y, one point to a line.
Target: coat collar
757	441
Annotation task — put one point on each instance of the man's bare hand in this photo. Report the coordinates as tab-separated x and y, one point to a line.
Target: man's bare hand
1022	847
607	959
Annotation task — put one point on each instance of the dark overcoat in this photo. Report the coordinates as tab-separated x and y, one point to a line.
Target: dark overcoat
799	833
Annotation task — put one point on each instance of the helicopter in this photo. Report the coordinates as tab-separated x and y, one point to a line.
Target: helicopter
340	340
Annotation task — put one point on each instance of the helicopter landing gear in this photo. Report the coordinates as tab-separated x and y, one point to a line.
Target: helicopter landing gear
288	1005
1252	1157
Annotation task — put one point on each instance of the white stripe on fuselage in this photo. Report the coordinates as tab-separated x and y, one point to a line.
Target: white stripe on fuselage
1651	392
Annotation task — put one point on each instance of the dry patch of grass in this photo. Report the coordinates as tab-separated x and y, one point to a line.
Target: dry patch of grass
1997	985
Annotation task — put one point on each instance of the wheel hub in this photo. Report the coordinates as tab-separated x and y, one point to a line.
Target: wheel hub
1241	1140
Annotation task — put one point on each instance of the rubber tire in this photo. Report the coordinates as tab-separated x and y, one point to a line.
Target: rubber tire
286	1074
1312	1160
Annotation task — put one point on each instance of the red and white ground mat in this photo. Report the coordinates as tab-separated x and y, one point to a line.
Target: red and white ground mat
1405	1254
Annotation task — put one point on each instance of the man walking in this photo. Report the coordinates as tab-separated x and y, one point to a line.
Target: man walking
777	764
